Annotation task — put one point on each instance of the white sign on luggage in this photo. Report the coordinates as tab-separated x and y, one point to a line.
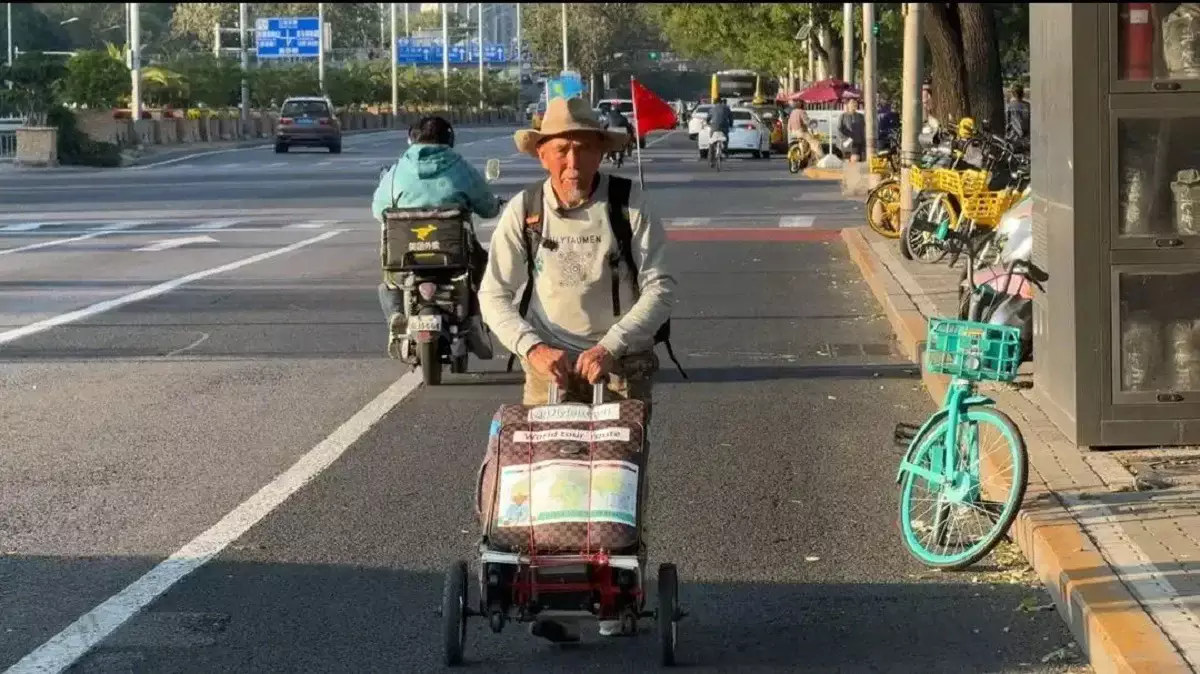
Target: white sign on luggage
573	435
567	491
576	412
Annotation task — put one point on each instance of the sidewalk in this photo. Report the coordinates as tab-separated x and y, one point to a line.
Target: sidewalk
1115	536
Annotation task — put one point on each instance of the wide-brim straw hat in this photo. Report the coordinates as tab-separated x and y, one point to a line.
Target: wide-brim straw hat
569	115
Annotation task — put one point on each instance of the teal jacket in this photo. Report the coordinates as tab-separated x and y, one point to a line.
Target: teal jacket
434	175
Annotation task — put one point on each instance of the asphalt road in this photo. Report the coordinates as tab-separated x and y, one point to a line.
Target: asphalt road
153	387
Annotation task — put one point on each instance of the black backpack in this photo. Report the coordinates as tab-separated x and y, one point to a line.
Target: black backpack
618	218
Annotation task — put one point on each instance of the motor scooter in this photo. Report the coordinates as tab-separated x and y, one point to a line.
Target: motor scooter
1003	294
429	254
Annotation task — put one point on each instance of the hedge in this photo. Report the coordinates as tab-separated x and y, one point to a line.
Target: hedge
204	80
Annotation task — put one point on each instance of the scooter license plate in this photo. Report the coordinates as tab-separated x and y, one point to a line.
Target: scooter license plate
424	324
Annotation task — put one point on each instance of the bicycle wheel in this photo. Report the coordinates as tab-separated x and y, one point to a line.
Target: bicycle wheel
720	150
931	514
917	240
883	208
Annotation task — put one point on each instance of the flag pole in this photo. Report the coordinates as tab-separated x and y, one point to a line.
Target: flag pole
636	143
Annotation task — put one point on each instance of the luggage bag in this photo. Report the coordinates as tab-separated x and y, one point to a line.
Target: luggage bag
564	477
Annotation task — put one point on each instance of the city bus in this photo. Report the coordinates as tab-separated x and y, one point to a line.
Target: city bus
744	85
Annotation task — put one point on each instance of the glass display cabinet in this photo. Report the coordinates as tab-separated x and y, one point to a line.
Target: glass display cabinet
1116	179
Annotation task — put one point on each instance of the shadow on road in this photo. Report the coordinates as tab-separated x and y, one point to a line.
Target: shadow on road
254	615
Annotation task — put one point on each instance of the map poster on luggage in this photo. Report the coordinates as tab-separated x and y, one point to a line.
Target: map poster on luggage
557	491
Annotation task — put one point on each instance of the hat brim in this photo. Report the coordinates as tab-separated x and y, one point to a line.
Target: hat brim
527	140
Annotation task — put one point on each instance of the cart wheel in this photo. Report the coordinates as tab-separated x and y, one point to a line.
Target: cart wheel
668	611
454	613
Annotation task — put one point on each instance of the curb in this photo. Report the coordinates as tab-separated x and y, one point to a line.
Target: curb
1112	628
814	173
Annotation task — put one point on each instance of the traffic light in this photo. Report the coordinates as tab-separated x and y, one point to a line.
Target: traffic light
875	29
653	56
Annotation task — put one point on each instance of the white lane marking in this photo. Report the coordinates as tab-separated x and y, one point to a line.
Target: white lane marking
796	221
153	291
23	227
217	224
324	163
660	139
276	164
315	224
203	338
168	244
106	229
686	222
81	636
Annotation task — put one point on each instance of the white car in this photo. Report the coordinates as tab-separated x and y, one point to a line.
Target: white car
749	134
697	120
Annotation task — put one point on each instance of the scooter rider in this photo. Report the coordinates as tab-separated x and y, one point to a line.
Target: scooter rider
430	173
616	120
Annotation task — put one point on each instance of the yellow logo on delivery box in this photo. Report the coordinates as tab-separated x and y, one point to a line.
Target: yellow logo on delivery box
424	232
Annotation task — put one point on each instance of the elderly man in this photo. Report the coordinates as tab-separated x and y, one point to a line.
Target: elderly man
599	292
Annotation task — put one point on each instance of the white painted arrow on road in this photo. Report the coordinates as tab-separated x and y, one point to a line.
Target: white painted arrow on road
167	244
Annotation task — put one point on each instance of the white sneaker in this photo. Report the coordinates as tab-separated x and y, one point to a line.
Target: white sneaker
612	628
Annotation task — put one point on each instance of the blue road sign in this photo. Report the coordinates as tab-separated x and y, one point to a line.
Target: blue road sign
429	51
567	86
288	37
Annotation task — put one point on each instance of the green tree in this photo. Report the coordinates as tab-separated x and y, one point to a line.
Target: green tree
600	36
36	85
964	62
351	24
97	80
32	30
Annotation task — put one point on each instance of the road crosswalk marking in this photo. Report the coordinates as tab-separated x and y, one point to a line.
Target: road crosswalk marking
217	224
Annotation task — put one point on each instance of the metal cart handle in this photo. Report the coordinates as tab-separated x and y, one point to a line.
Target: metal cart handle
597	393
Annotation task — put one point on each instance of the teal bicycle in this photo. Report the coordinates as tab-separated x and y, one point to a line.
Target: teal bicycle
950	477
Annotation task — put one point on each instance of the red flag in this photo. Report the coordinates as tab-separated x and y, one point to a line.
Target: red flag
653	113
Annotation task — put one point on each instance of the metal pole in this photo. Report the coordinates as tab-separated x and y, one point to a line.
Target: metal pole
135	58
636	144
445	55
382	25
564	35
479	5
871	114
810	67
216	40
245	62
321	45
8	12
911	121
395	82
520	63
848	42
407	31
128	41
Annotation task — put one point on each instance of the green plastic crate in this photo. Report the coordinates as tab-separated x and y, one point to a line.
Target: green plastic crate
973	351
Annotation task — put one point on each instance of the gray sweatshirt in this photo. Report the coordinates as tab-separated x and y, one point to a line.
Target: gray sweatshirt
571	306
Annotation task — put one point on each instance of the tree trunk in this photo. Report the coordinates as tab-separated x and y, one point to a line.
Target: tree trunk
827	61
941	28
981	61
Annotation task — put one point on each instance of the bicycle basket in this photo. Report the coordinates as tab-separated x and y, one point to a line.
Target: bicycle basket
986	208
880	165
921	179
973	351
960	183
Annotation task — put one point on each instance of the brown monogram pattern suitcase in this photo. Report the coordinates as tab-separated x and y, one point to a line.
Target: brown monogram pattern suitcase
564	478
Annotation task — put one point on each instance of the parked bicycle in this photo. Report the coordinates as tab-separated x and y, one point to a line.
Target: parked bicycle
949	476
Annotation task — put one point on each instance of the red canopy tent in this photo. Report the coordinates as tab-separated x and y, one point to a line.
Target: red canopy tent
830	90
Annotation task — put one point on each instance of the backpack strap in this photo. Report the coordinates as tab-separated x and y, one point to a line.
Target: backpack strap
618	218
531	235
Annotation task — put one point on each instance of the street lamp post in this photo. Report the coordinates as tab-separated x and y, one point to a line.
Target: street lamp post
321	46
8	12
135	59
520	64
564	35
480	6
848	42
869	83
395	84
245	63
445	55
